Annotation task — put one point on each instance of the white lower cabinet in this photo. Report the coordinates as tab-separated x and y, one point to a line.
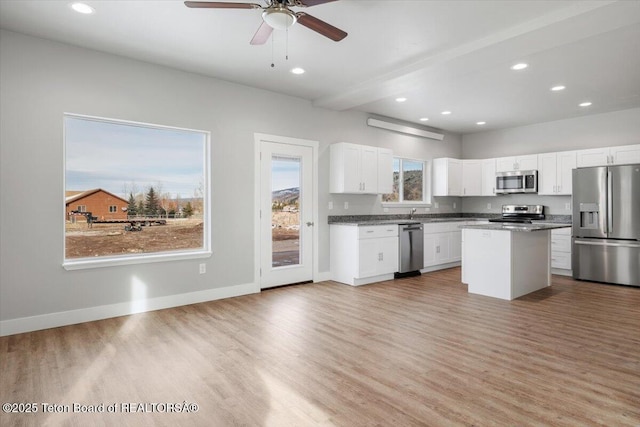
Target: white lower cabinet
442	245
561	251
362	255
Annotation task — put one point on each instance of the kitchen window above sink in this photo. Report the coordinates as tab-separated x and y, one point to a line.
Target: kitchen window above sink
411	184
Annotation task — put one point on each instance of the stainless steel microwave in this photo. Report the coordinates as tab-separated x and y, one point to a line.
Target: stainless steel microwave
517	182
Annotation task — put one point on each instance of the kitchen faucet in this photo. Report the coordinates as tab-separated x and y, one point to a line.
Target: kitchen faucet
411	212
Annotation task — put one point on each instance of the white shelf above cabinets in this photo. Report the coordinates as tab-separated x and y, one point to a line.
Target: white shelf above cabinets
360	169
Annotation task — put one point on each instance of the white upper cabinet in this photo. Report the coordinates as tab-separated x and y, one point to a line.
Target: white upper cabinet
593	157
447	177
624	154
555	172
360	169
385	171
489	177
472	177
517	163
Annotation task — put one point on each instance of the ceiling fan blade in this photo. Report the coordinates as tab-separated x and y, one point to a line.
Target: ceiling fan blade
262	35
309	3
221	5
320	27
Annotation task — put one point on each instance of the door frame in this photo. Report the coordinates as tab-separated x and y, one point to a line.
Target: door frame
258	138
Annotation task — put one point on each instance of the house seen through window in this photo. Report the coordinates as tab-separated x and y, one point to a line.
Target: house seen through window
133	190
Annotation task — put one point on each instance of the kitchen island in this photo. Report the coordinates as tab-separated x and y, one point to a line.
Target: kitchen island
507	260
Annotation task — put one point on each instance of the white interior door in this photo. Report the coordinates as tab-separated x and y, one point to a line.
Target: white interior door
286	213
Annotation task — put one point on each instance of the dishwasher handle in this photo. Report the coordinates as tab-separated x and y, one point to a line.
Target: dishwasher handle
411	227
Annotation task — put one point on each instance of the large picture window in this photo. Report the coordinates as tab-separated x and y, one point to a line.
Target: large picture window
410	182
134	192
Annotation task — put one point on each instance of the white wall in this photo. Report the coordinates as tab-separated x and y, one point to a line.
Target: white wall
40	80
598	130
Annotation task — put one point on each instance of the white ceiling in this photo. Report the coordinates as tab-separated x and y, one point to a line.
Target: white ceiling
440	55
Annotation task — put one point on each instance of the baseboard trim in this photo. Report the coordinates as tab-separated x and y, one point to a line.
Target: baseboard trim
323	277
71	317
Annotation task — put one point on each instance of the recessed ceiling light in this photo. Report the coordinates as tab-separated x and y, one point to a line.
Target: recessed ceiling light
481	123
424	119
297	70
520	66
82	8
401	99
585	104
446	113
558	88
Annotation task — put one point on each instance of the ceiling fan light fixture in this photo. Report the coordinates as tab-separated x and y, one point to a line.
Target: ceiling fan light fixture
279	18
83	8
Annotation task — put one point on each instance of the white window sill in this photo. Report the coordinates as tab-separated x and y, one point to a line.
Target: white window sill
98	262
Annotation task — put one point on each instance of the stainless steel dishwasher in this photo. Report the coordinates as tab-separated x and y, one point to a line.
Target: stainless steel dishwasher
411	248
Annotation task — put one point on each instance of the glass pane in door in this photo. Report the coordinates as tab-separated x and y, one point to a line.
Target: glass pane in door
285	210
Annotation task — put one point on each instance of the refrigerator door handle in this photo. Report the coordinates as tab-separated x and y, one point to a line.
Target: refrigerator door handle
609	226
606	243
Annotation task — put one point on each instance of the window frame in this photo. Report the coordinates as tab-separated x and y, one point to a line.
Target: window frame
426	185
116	260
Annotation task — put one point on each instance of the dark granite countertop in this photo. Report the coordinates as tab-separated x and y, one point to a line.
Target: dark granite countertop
501	226
363	220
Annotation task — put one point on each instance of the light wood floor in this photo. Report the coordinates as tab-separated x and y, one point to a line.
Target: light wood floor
416	351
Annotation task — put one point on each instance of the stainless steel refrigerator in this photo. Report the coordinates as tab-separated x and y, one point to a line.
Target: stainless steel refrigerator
606	224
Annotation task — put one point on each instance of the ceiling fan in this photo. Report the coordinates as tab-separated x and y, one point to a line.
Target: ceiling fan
278	15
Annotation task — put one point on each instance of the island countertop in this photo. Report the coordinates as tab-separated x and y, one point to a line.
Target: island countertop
511	226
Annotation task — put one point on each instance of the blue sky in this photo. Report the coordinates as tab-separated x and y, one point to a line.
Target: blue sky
285	173
117	157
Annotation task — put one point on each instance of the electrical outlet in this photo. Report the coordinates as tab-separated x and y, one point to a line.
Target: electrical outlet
427	209
454	205
488	205
346	205
330	205
567	206
385	210
203	268
437	205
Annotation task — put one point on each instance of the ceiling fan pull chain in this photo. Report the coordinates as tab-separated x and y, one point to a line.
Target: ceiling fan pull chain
286	54
272	62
